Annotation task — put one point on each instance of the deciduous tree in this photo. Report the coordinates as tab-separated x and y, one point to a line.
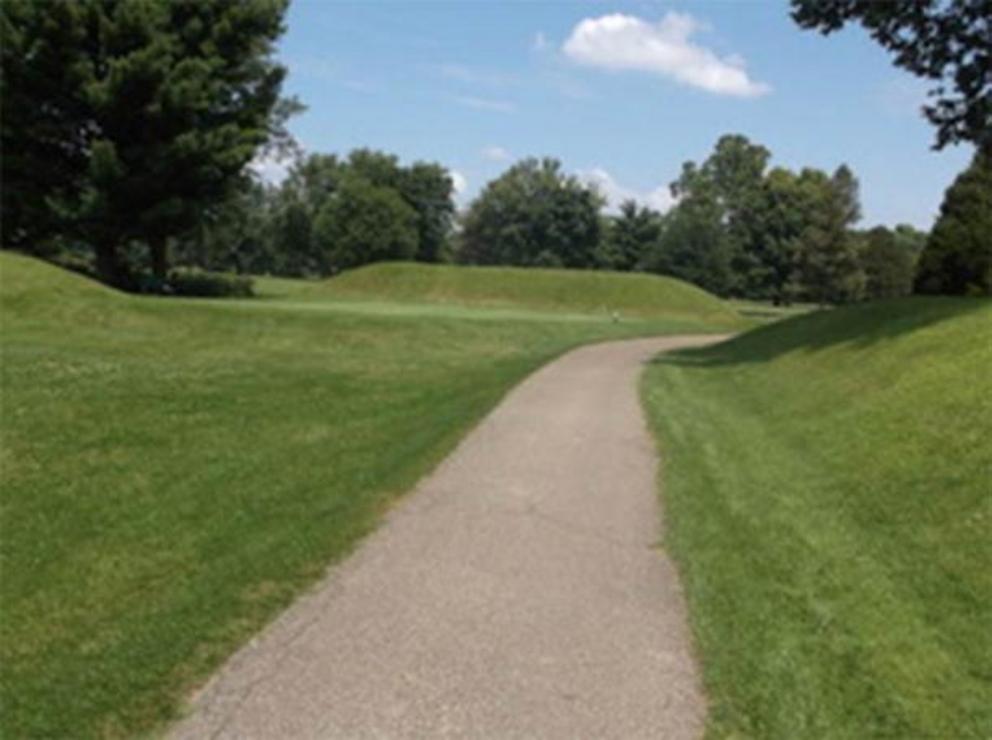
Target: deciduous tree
946	41
533	214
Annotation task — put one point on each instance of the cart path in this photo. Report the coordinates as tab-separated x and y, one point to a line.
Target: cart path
518	591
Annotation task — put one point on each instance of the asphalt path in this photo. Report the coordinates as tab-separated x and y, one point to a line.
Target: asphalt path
519	591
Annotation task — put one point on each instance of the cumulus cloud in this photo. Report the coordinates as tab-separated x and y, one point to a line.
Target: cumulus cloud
459	181
625	42
495	154
497	106
659	199
271	168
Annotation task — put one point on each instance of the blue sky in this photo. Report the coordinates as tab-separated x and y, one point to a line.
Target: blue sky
621	92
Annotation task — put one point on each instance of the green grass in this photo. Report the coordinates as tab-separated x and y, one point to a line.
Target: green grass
765	312
829	503
570	291
174	471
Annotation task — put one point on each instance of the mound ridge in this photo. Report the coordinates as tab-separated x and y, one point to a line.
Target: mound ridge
578	291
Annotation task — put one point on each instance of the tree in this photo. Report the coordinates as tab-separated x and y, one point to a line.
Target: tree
958	256
827	257
911	239
150	112
947	41
731	179
316	179
365	223
630	237
694	246
785	218
887	264
429	190
235	237
533	214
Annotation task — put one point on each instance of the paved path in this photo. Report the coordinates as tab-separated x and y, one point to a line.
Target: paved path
518	592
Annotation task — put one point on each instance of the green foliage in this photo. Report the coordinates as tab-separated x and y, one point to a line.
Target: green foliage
365	223
185	469
695	246
947	42
150	112
827	258
957	259
888	264
533	214
288	230
630	238
827	502
738	230
728	185
198	283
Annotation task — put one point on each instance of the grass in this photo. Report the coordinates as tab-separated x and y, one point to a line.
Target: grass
765	312
828	501
570	291
174	471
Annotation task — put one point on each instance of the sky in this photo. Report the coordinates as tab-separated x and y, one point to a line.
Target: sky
621	92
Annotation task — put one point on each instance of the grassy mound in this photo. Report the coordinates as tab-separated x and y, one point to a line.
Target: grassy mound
828	500
173	471
575	291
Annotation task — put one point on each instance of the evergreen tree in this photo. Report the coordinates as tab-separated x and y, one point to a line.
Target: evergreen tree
957	259
147	111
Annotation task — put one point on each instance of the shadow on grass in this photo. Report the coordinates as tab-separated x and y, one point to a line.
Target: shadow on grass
861	326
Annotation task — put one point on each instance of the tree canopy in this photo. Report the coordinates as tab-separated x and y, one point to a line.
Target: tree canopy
125	120
946	41
957	258
533	214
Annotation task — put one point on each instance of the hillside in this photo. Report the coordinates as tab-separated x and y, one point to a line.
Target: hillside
575	291
828	501
174	471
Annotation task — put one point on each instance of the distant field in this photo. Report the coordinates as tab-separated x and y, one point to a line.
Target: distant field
569	291
827	489
174	471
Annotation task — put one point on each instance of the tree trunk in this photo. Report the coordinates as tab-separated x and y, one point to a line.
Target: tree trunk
158	247
108	266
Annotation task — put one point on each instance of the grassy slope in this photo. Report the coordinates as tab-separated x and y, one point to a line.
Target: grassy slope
174	471
574	291
829	503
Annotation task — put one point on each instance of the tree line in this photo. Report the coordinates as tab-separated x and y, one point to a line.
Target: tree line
738	228
129	128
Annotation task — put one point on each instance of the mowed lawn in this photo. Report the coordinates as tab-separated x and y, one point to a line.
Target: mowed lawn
828	491
174	471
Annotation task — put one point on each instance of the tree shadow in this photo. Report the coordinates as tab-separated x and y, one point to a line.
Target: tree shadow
860	326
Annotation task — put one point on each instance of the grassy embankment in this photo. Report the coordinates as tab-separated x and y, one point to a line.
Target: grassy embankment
829	502
175	471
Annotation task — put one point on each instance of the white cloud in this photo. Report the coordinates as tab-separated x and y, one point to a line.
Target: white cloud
540	42
625	42
271	168
459	181
495	154
660	198
498	106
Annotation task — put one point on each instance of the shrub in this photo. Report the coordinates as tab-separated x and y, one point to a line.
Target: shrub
198	283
